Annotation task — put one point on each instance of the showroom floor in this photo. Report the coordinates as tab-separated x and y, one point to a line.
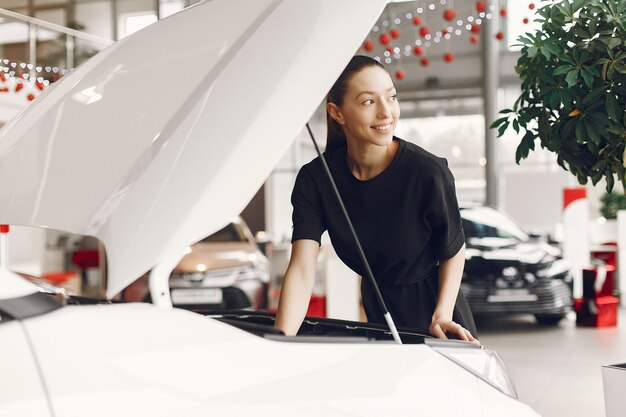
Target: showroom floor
557	370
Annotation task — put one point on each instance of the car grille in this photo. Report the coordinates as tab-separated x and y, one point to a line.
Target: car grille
553	297
233	298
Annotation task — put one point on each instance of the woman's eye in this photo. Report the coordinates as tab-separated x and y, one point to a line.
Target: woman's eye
368	101
394	97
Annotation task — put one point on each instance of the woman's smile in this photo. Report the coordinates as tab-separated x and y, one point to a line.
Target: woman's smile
383	128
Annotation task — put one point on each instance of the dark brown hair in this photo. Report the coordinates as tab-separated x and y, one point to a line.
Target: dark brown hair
336	137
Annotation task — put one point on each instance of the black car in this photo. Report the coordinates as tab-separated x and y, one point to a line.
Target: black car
508	271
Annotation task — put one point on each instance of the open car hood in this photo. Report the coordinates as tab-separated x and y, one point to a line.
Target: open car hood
162	138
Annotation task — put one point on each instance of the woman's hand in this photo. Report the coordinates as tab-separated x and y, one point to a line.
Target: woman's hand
440	326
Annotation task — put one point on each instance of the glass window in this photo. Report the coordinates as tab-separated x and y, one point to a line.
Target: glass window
230	233
13	32
132	22
459	139
56	16
95	17
170	7
484	222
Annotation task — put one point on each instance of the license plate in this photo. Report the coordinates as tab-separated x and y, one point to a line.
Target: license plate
511	296
197	296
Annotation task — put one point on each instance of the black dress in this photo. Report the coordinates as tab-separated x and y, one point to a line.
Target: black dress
407	219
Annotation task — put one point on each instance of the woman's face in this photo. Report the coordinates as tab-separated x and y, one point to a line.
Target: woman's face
370	109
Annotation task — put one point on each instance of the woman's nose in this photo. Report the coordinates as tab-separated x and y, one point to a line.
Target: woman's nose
384	111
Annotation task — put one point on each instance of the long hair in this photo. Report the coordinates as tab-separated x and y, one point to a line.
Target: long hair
336	137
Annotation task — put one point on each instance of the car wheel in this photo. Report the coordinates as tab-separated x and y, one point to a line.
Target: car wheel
549	319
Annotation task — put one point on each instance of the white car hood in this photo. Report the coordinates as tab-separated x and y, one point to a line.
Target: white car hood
166	135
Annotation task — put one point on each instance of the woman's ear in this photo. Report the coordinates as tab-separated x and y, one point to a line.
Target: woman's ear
335	113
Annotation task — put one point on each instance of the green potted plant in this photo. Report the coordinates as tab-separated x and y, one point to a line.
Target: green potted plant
573	100
611	204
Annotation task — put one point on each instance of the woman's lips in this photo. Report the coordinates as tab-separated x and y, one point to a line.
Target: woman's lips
386	128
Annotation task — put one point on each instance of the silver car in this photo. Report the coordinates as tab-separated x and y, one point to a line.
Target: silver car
225	270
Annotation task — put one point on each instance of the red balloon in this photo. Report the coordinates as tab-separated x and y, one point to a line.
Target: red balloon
2	77
531	6
424	62
448	57
475	28
418	50
395	33
4	90
499	36
368	46
449	14
481	6
424	31
400	74
474	39
389	49
18	87
525	21
39	85
30	97
503	12
384	39
417	20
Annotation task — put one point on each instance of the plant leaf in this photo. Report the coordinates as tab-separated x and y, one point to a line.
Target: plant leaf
610	181
594	95
587	77
614	43
592	131
616	130
596	177
516	125
503	128
562	69
497	122
571	78
612	107
554	99
581	136
582	33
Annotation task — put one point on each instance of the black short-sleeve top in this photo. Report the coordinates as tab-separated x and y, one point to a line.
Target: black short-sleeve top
407	217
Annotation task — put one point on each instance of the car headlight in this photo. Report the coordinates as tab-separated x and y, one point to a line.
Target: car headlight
484	363
256	271
558	267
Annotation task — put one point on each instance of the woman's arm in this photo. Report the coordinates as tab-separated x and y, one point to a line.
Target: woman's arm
297	286
450	274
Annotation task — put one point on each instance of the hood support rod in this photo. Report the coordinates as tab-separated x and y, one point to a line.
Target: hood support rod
366	265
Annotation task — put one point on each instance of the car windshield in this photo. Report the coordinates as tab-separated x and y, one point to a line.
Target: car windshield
485	222
231	233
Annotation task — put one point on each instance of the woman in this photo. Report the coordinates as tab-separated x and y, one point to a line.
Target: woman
402	202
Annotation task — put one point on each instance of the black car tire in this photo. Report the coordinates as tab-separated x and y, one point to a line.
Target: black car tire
549	319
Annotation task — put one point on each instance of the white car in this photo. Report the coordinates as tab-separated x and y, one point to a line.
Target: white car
113	150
